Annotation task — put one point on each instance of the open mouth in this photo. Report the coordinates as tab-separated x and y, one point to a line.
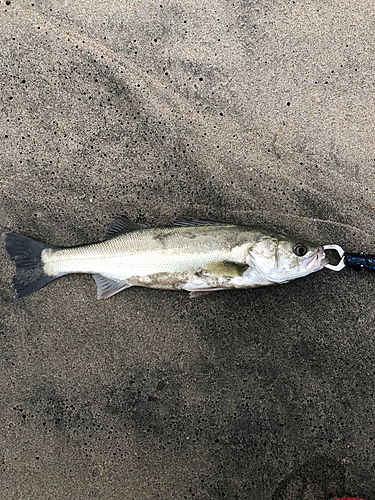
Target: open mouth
317	261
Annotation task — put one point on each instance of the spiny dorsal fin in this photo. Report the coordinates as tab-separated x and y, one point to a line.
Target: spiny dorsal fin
226	268
108	287
122	225
186	221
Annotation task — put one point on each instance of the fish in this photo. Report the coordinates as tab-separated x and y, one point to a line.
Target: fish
194	255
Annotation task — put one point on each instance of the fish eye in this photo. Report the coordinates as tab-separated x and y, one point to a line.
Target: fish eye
299	249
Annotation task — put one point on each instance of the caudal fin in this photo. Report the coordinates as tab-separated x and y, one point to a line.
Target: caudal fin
26	255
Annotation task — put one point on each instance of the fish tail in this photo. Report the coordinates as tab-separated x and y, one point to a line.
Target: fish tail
26	254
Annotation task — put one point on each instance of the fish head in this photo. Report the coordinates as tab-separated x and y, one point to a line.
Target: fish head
283	259
296	258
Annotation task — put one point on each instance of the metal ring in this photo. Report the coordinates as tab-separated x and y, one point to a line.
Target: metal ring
341	252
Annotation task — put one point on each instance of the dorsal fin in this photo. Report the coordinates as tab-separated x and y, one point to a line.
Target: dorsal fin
122	225
186	221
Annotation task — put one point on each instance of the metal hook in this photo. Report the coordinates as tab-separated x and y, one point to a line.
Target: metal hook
341	252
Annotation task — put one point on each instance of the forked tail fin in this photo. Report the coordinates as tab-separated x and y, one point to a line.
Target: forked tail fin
26	254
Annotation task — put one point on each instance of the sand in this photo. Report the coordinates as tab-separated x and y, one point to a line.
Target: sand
248	112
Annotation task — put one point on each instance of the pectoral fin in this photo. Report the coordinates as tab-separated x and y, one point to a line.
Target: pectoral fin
108	287
226	268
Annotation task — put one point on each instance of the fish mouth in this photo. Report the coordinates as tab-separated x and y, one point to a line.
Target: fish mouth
317	261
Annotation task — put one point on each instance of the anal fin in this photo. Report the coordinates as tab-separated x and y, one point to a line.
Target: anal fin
108	287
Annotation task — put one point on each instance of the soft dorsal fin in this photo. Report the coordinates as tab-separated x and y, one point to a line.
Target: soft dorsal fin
122	225
186	221
108	287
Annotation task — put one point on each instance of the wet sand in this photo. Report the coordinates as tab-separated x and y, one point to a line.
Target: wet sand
249	112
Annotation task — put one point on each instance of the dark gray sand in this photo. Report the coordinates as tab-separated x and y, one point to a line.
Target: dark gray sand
255	112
